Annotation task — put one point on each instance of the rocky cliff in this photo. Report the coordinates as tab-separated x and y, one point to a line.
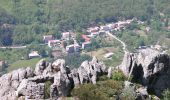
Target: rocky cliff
30	84
149	67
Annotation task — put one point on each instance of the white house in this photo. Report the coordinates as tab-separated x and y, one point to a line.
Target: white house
33	54
67	35
86	45
108	55
72	48
93	29
46	38
54	43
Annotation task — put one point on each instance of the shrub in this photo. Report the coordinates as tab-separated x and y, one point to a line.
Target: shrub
103	78
118	76
128	94
47	89
103	90
166	95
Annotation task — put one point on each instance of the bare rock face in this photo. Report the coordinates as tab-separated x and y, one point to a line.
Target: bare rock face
59	65
89	71
75	77
61	86
11	81
40	67
31	84
109	75
150	67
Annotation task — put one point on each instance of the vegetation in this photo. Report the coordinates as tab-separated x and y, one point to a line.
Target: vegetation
74	60
47	89
103	90
128	94
23	22
17	58
166	95
106	89
118	76
23	63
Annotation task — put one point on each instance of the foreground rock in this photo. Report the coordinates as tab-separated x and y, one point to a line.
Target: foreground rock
31	84
149	67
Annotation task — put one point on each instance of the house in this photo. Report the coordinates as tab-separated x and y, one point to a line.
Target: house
33	54
73	48
93	29
94	34
105	28
54	43
77	48
86	45
70	48
108	55
46	38
85	37
113	26
67	35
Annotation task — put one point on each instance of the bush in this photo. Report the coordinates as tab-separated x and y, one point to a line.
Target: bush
128	94
74	60
103	90
118	76
166	95
103	78
47	89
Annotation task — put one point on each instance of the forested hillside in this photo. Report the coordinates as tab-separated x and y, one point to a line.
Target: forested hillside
25	21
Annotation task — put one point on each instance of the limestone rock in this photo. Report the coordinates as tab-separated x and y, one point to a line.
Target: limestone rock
59	65
30	84
61	86
40	66
142	93
109	75
150	67
75	77
31	90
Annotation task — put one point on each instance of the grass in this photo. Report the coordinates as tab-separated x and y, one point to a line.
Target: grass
116	48
99	53
116	59
23	64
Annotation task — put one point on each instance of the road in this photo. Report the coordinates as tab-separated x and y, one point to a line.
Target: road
123	43
18	47
14	47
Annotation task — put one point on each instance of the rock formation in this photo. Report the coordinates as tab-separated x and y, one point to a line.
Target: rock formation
149	67
31	84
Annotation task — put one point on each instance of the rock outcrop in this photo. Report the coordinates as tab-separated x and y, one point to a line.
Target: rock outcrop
31	84
10	82
149	67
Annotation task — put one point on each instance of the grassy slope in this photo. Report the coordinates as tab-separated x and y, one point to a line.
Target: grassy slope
23	63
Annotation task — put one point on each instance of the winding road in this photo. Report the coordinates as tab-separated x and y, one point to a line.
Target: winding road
123	43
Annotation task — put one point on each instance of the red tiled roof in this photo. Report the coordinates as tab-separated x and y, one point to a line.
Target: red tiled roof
85	37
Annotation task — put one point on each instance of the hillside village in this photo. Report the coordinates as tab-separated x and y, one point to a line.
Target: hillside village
69	44
84	49
92	32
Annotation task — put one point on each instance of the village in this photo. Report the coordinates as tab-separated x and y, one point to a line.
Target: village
63	45
68	43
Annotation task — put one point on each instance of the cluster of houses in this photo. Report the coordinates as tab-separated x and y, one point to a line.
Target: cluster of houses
91	33
58	45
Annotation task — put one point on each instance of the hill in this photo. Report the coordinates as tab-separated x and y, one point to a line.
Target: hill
29	19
